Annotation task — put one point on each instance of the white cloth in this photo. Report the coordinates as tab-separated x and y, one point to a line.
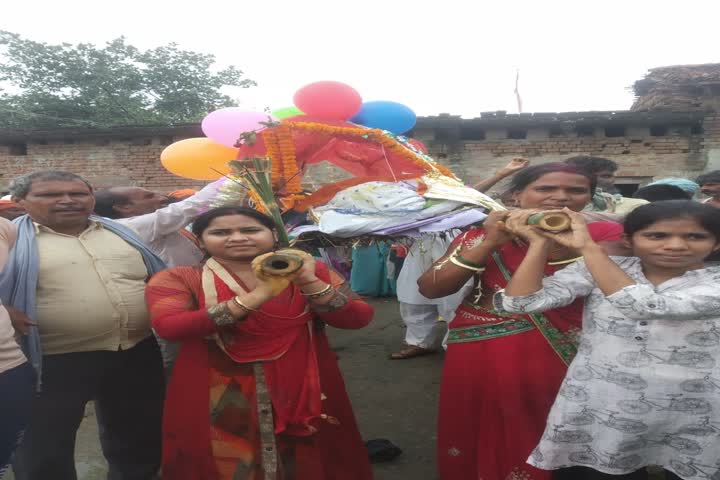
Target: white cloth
423	253
419	313
643	389
159	230
423	326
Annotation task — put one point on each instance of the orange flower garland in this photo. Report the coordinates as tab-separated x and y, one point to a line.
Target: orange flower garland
285	174
257	202
281	151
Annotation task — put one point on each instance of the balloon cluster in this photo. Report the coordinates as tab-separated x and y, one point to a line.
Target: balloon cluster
227	128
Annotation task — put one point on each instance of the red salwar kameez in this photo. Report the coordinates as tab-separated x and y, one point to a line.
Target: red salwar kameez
501	375
262	400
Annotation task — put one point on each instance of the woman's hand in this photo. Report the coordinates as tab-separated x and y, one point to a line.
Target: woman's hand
577	238
496	234
306	274
517	223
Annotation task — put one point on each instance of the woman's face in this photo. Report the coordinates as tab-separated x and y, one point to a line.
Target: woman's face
679	243
237	237
556	190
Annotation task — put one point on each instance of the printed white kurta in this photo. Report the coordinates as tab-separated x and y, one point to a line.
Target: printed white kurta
644	388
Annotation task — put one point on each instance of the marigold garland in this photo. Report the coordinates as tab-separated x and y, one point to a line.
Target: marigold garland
281	151
257	202
285	174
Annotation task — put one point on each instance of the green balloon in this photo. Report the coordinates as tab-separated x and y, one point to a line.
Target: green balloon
287	112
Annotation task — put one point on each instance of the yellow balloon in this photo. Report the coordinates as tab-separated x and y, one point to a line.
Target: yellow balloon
198	159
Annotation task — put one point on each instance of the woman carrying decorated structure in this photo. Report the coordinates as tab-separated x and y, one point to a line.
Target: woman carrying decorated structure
256	392
502	372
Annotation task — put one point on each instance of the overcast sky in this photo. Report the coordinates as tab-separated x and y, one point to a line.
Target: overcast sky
434	56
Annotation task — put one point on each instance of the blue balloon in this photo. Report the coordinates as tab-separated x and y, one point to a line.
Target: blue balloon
391	116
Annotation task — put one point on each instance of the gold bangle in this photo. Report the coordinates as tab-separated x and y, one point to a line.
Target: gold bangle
236	300
320	293
460	264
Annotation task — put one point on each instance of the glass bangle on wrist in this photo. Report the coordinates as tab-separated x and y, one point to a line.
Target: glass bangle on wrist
320	293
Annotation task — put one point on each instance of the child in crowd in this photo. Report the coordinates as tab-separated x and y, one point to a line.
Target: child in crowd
643	388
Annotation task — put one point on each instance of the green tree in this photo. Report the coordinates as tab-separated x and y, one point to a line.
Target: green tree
85	85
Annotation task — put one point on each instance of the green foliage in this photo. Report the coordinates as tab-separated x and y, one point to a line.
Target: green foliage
48	86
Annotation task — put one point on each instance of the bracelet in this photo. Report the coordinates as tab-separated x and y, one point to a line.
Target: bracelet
320	293
458	263
221	315
467	262
236	300
308	283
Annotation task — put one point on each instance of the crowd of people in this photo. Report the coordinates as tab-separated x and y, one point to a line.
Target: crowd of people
587	354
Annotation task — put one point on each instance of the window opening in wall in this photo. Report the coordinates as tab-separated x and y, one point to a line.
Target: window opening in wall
585	131
68	141
696	129
627	189
614	131
658	131
17	149
470	133
443	135
517	134
557	131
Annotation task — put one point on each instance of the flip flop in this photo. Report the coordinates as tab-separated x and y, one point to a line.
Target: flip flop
410	352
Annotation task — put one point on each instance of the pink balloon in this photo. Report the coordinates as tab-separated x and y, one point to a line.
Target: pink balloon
224	126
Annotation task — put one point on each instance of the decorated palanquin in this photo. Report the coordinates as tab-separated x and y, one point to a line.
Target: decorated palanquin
389	180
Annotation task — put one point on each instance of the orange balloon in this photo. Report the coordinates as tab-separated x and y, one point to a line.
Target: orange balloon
198	159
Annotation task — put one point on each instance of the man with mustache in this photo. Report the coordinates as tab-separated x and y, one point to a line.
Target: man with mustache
75	284
710	186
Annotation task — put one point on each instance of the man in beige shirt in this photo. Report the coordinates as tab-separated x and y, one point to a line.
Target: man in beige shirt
94	335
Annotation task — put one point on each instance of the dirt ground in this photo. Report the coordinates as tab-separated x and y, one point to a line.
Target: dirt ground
396	400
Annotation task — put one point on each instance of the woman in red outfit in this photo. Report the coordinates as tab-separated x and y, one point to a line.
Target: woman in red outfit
256	393
502	372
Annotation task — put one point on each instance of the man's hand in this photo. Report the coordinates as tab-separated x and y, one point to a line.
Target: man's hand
20	321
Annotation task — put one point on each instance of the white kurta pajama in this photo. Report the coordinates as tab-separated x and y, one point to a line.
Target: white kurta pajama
644	388
420	314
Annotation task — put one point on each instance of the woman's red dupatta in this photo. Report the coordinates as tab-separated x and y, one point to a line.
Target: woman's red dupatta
280	335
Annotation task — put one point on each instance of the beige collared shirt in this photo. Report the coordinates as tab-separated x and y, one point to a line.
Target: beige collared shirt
91	291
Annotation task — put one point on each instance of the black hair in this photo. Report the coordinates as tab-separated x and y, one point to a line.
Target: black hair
202	222
105	202
592	165
709	177
20	186
661	192
642	217
528	175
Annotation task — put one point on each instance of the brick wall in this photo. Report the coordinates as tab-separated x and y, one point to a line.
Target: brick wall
105	162
640	155
134	160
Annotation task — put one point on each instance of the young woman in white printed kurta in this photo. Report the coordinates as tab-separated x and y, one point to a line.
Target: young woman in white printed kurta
644	388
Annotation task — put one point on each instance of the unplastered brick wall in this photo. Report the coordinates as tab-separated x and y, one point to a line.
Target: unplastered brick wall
104	162
638	156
